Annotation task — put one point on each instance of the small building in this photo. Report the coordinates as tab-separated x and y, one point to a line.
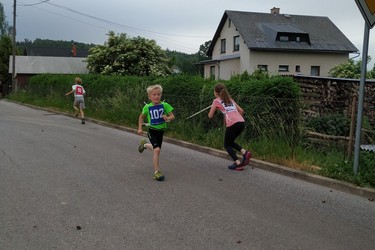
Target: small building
280	44
28	66
48	61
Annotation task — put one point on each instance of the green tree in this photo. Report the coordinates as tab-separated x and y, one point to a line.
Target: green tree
351	70
201	55
51	44
5	52
185	62
203	49
121	55
371	73
4	26
5	47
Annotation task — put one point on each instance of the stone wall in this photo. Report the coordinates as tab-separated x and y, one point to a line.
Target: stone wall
322	96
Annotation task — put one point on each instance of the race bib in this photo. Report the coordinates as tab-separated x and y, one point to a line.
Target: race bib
156	114
79	90
229	108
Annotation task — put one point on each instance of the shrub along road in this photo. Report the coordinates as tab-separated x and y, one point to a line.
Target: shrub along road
70	186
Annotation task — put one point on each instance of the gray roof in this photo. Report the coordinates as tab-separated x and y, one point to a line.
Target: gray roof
259	32
49	65
55	52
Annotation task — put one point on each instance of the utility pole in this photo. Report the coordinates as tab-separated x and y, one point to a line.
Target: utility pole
361	94
14	87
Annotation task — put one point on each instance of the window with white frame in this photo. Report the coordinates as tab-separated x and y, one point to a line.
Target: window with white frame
212	72
283	68
284	38
315	71
236	43
223	46
263	67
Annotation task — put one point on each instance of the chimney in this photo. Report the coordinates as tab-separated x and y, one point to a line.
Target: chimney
74	50
275	10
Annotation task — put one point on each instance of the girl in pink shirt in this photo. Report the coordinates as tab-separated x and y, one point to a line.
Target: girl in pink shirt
235	124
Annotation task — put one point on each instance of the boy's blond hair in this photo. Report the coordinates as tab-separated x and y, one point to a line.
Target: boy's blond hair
78	80
153	87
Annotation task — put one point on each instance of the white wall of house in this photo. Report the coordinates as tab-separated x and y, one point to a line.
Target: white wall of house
49	65
228	68
293	59
245	58
297	63
207	70
228	32
225	68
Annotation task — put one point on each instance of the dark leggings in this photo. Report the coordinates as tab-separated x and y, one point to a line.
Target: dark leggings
231	134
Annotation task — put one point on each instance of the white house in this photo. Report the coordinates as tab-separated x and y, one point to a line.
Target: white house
280	44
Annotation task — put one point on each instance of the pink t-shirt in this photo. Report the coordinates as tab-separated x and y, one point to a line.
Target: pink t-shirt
230	111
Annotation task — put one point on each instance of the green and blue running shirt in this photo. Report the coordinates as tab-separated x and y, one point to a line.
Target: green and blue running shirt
155	114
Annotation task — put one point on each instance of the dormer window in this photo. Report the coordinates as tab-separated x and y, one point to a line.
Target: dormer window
293	37
284	38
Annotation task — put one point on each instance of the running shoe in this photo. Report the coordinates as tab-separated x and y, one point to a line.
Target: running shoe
83	121
159	176
141	147
236	167
246	158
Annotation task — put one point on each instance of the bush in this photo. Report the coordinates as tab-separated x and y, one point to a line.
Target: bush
334	124
344	170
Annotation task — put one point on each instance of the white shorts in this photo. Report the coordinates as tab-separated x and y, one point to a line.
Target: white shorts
79	101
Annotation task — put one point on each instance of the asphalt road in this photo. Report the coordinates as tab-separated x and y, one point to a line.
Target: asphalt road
64	185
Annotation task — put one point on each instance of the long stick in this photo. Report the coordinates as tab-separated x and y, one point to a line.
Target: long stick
198	112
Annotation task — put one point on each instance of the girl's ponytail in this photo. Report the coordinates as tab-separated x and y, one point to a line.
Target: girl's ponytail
223	93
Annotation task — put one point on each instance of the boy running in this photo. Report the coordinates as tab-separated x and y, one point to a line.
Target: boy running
79	100
158	114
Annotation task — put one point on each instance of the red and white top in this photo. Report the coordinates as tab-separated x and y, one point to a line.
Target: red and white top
230	111
78	90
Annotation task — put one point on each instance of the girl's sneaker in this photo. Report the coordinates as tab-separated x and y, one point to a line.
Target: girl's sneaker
158	176
236	167
246	158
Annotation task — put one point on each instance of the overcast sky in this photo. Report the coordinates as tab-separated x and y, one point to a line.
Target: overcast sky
181	25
